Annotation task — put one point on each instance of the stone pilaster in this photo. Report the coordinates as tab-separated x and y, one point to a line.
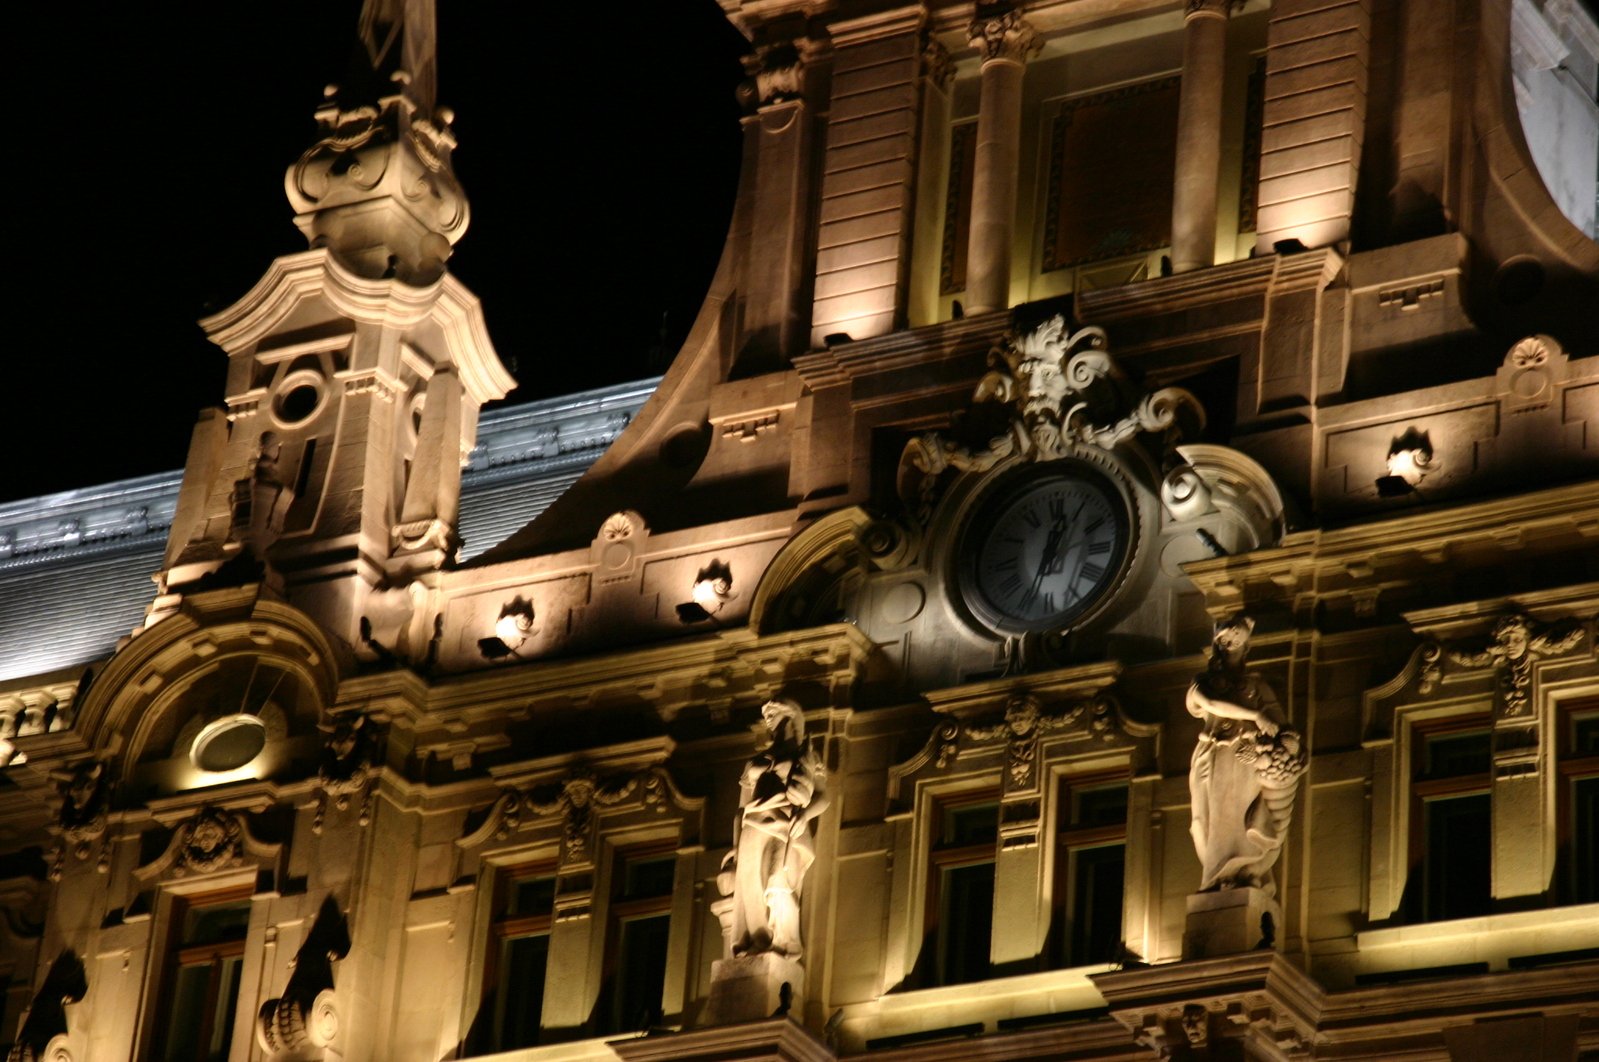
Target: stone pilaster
868	193
1314	121
1005	40
779	136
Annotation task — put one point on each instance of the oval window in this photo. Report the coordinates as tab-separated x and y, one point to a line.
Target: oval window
229	743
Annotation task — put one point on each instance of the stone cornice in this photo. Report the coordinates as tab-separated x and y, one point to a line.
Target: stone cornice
1249	277
1435	538
902	350
391	303
673	676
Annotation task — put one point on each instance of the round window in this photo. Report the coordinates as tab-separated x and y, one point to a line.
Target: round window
298	398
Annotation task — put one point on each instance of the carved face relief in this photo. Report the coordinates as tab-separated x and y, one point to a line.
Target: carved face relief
82	789
1232	636
210	841
1512	637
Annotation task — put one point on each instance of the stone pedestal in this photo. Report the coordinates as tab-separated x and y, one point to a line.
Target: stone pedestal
778	1040
1229	922
751	988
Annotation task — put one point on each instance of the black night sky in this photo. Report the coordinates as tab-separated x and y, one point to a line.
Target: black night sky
148	144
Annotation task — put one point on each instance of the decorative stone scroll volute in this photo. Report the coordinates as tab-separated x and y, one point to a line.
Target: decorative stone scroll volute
307	1013
43	1035
1242	780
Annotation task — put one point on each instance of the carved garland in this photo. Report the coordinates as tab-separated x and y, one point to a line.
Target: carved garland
574	798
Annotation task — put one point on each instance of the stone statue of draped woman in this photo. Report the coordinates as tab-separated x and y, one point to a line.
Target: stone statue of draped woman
781	792
1245	769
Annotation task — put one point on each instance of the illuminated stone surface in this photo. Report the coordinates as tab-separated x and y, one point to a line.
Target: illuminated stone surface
498	780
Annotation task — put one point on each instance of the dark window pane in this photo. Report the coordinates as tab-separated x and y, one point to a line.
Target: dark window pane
1099	807
640	972
974	824
1457	869
1585	735
208	925
966	923
531	896
1585	840
1096	917
648	877
519	996
187	1016
1456	754
227	1001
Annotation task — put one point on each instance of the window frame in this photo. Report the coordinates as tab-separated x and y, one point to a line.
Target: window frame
169	959
1425	791
619	911
502	928
943	858
1571	766
1069	839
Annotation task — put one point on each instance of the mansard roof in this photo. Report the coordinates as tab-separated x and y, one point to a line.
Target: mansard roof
76	566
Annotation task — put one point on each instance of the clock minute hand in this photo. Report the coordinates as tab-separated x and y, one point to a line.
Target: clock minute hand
1046	559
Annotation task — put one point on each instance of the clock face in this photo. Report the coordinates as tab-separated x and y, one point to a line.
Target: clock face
1037	556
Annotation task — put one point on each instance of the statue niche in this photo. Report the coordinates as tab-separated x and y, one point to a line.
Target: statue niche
1245	769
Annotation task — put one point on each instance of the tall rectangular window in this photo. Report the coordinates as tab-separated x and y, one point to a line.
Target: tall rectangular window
1452	825
636	944
1090	866
1578	803
960	892
200	981
518	952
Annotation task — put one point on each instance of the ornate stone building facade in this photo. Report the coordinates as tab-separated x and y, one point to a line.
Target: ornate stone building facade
1111	574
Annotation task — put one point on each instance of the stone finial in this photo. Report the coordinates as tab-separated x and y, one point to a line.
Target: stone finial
1004	35
377	188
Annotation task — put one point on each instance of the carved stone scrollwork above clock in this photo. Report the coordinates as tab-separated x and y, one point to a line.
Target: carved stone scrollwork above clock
1064	501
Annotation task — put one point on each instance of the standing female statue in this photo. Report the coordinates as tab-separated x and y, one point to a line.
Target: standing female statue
1245	769
782	790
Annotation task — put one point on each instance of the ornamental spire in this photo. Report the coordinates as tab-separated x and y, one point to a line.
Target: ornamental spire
394	37
377	188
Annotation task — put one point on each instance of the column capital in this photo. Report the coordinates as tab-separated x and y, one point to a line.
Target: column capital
776	74
1213	8
1004	35
937	66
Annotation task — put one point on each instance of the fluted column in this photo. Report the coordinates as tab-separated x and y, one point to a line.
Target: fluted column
1005	40
1193	209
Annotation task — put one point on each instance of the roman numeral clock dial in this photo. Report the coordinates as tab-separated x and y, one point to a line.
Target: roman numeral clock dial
1040	554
